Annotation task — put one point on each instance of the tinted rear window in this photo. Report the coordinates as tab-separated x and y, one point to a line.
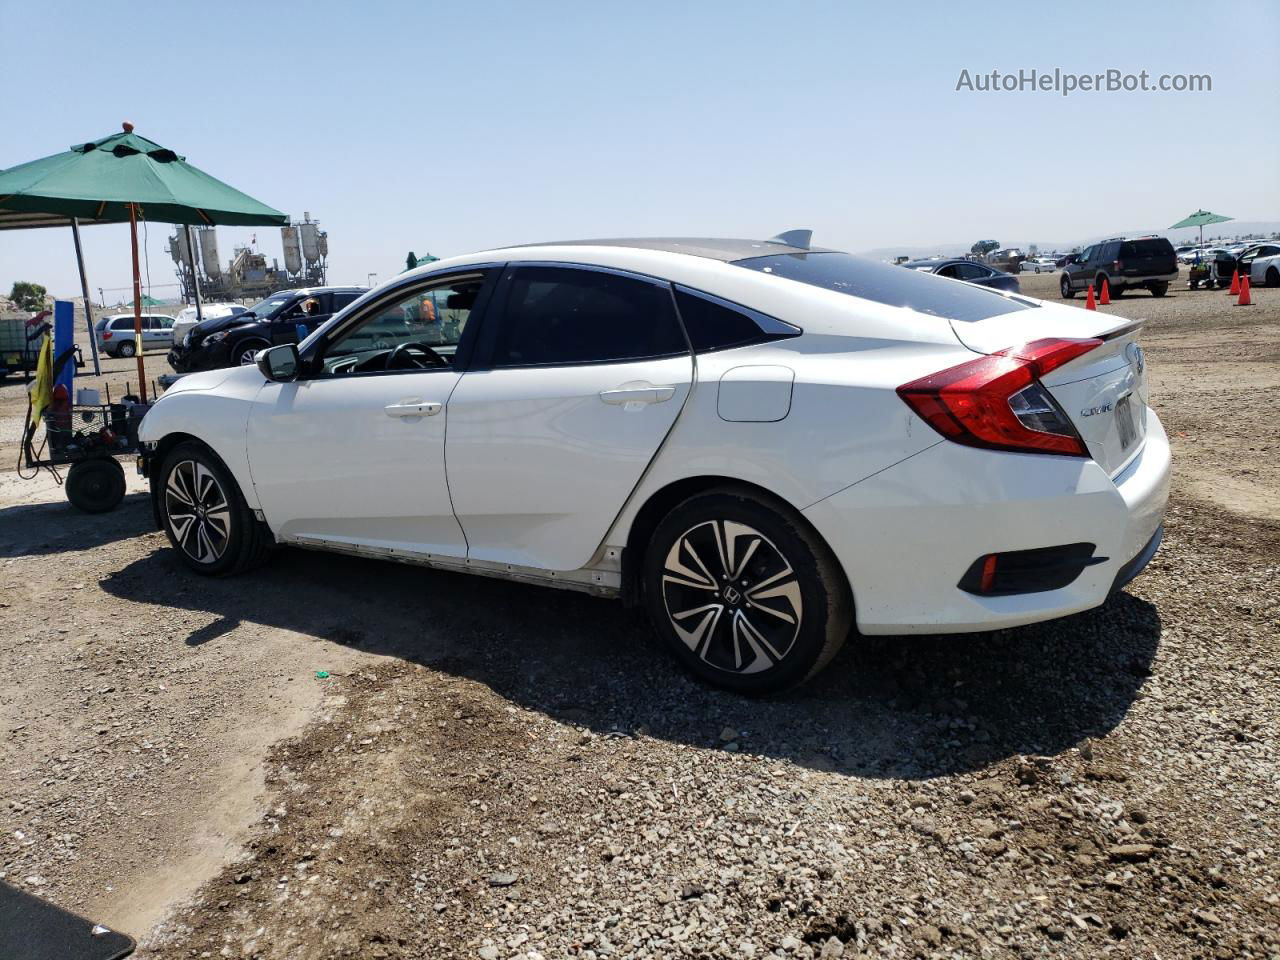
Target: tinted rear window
1156	247
888	284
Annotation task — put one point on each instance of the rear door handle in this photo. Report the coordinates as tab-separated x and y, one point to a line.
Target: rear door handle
412	408
637	393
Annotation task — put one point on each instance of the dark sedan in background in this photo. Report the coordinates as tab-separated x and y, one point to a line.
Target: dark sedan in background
284	317
968	270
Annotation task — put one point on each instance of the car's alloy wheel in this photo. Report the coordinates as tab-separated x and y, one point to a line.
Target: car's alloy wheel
247	353
1065	286
732	596
127	349
198	511
745	592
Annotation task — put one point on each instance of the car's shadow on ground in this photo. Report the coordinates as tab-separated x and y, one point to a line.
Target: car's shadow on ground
37	529
899	707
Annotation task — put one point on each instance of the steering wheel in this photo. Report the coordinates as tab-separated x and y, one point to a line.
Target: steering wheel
431	355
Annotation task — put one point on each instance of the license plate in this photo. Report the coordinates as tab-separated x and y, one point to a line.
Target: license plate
1124	422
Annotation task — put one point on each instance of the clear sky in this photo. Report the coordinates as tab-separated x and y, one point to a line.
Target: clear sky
451	127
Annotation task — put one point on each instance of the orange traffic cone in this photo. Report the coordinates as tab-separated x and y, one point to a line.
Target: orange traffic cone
1244	300
1235	283
1106	292
1090	303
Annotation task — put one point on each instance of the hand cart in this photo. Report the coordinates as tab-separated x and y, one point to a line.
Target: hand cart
87	438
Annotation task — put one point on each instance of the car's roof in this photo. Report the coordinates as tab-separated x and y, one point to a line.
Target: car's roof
936	262
723	249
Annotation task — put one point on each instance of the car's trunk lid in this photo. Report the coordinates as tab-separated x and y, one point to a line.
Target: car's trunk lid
1103	392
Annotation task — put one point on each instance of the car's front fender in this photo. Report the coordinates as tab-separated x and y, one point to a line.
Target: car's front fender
214	410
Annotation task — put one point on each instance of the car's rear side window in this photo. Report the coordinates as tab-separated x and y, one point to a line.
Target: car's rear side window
888	284
715	324
1155	247
561	315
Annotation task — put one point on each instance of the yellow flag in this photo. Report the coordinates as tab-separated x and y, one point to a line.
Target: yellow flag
42	388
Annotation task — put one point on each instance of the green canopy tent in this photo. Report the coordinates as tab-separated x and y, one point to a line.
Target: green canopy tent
1199	219
122	178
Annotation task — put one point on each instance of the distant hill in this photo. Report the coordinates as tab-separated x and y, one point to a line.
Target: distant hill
1229	230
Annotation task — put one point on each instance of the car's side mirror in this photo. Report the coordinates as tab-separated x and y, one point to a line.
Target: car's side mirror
281	363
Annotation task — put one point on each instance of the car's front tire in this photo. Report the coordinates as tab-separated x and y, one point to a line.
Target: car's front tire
745	592
205	515
246	352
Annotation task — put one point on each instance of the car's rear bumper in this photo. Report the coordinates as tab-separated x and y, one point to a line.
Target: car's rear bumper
907	535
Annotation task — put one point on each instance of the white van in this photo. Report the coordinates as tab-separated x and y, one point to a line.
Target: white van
187	317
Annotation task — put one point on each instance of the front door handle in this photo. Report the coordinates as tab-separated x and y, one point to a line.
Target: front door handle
638	392
412	408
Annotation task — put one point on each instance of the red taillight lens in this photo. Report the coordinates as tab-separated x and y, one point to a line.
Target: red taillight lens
995	401
106	334
1117	265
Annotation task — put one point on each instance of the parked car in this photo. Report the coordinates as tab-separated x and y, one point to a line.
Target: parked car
1007	259
1125	264
186	318
861	444
284	317
115	333
1038	265
1261	263
967	270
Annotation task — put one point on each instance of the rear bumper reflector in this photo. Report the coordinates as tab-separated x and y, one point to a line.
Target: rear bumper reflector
1028	571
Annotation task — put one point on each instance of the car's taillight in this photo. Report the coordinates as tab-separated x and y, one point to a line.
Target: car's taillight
106	334
1117	265
997	401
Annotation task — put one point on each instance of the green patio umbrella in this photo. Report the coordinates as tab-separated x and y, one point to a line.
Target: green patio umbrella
1199	219
126	177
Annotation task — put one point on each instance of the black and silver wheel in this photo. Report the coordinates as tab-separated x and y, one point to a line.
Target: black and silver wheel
246	352
204	514
127	348
746	593
1064	285
95	486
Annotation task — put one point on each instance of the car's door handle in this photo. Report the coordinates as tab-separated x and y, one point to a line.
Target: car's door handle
638	392
412	408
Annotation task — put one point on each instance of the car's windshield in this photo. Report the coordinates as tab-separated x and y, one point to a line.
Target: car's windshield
268	306
887	284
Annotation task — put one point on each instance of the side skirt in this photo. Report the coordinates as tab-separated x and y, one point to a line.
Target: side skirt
600	583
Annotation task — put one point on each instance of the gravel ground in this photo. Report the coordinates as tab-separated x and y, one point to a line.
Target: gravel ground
497	771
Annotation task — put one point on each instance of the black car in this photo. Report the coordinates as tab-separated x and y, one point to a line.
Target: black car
968	270
284	317
1124	263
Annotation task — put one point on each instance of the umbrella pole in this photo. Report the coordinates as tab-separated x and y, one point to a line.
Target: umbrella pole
137	303
84	290
195	276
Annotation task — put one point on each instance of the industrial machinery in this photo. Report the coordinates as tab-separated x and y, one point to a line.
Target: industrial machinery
248	275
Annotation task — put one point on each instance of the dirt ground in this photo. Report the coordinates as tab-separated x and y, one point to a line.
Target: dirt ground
492	770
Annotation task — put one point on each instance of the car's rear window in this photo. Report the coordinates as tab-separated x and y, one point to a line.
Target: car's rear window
1155	247
888	284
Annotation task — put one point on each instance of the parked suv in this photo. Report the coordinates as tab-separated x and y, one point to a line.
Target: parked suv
115	333
284	317
1124	263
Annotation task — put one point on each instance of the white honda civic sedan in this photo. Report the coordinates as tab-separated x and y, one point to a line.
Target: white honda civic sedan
768	445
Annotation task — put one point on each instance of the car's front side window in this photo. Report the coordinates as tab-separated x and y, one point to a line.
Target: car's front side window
414	331
567	315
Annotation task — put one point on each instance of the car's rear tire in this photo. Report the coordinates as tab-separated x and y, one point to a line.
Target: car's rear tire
1158	289
1064	285
1272	277
745	592
126	349
205	515
95	486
